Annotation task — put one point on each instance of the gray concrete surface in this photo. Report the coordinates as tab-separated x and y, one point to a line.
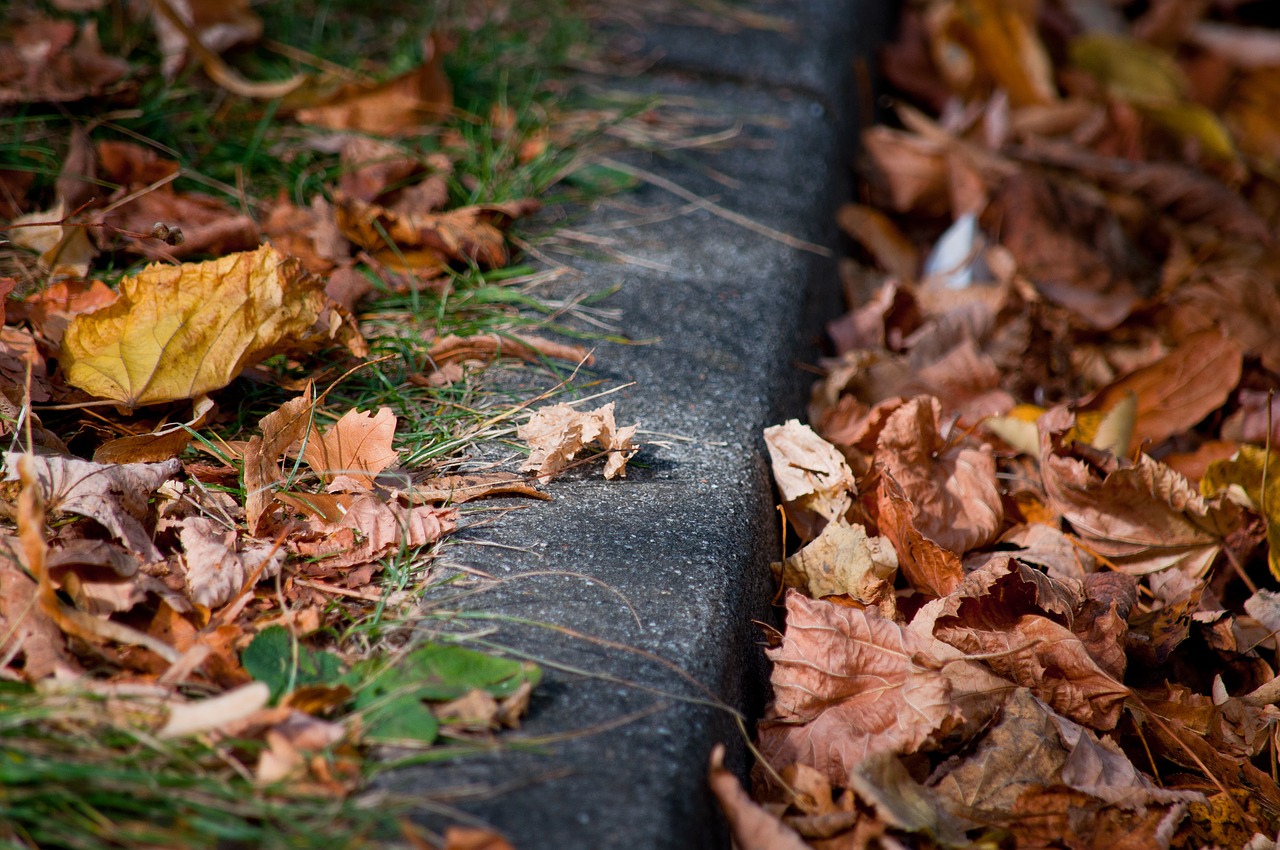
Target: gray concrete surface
620	753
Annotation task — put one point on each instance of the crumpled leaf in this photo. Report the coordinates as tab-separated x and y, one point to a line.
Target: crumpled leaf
844	560
372	529
1242	478
952	488
280	430
1144	517
558	433
752	826
351	453
114	495
431	241
177	332
216	568
812	476
928	567
849	684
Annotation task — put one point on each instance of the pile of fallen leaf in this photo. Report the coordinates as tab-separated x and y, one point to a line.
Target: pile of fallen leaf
1035	599
181	569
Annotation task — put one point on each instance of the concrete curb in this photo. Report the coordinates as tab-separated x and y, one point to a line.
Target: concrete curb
687	537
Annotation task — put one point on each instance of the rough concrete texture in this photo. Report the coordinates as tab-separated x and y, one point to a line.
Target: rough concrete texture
662	574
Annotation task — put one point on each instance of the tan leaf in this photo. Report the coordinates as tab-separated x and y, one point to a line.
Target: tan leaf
1144	516
114	495
208	224
844	560
456	489
351	453
400	105
752	827
216	568
26	635
182	331
952	488
491	346
192	718
219	24
849	684
280	430
64	249
1179	390
812	476
372	529
558	433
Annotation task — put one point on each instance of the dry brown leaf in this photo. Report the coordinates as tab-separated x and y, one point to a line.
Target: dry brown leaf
490	346
280	430
456	489
474	838
813	478
430	241
50	309
848	684
879	235
372	529
351	453
752	827
844	560
1021	618
372	167
1177	391
952	488
51	61
115	496
208	225
1143	517
927	566
32	644
311	234
216	567
220	24
178	332
558	433
64	248
401	105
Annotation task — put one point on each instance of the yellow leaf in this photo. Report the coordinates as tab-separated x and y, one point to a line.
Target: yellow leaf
1253	479
1193	121
1130	69
177	332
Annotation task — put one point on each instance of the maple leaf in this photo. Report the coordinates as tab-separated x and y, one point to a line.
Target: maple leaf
178	332
848	684
558	433
351	453
372	529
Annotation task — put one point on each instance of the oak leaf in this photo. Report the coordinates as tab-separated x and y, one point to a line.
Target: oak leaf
178	332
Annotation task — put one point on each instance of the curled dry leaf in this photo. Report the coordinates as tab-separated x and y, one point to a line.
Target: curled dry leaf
928	567
216	568
556	434
952	488
1143	517
372	529
849	684
812	476
280	430
113	495
182	331
490	346
456	489
844	560
354	450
